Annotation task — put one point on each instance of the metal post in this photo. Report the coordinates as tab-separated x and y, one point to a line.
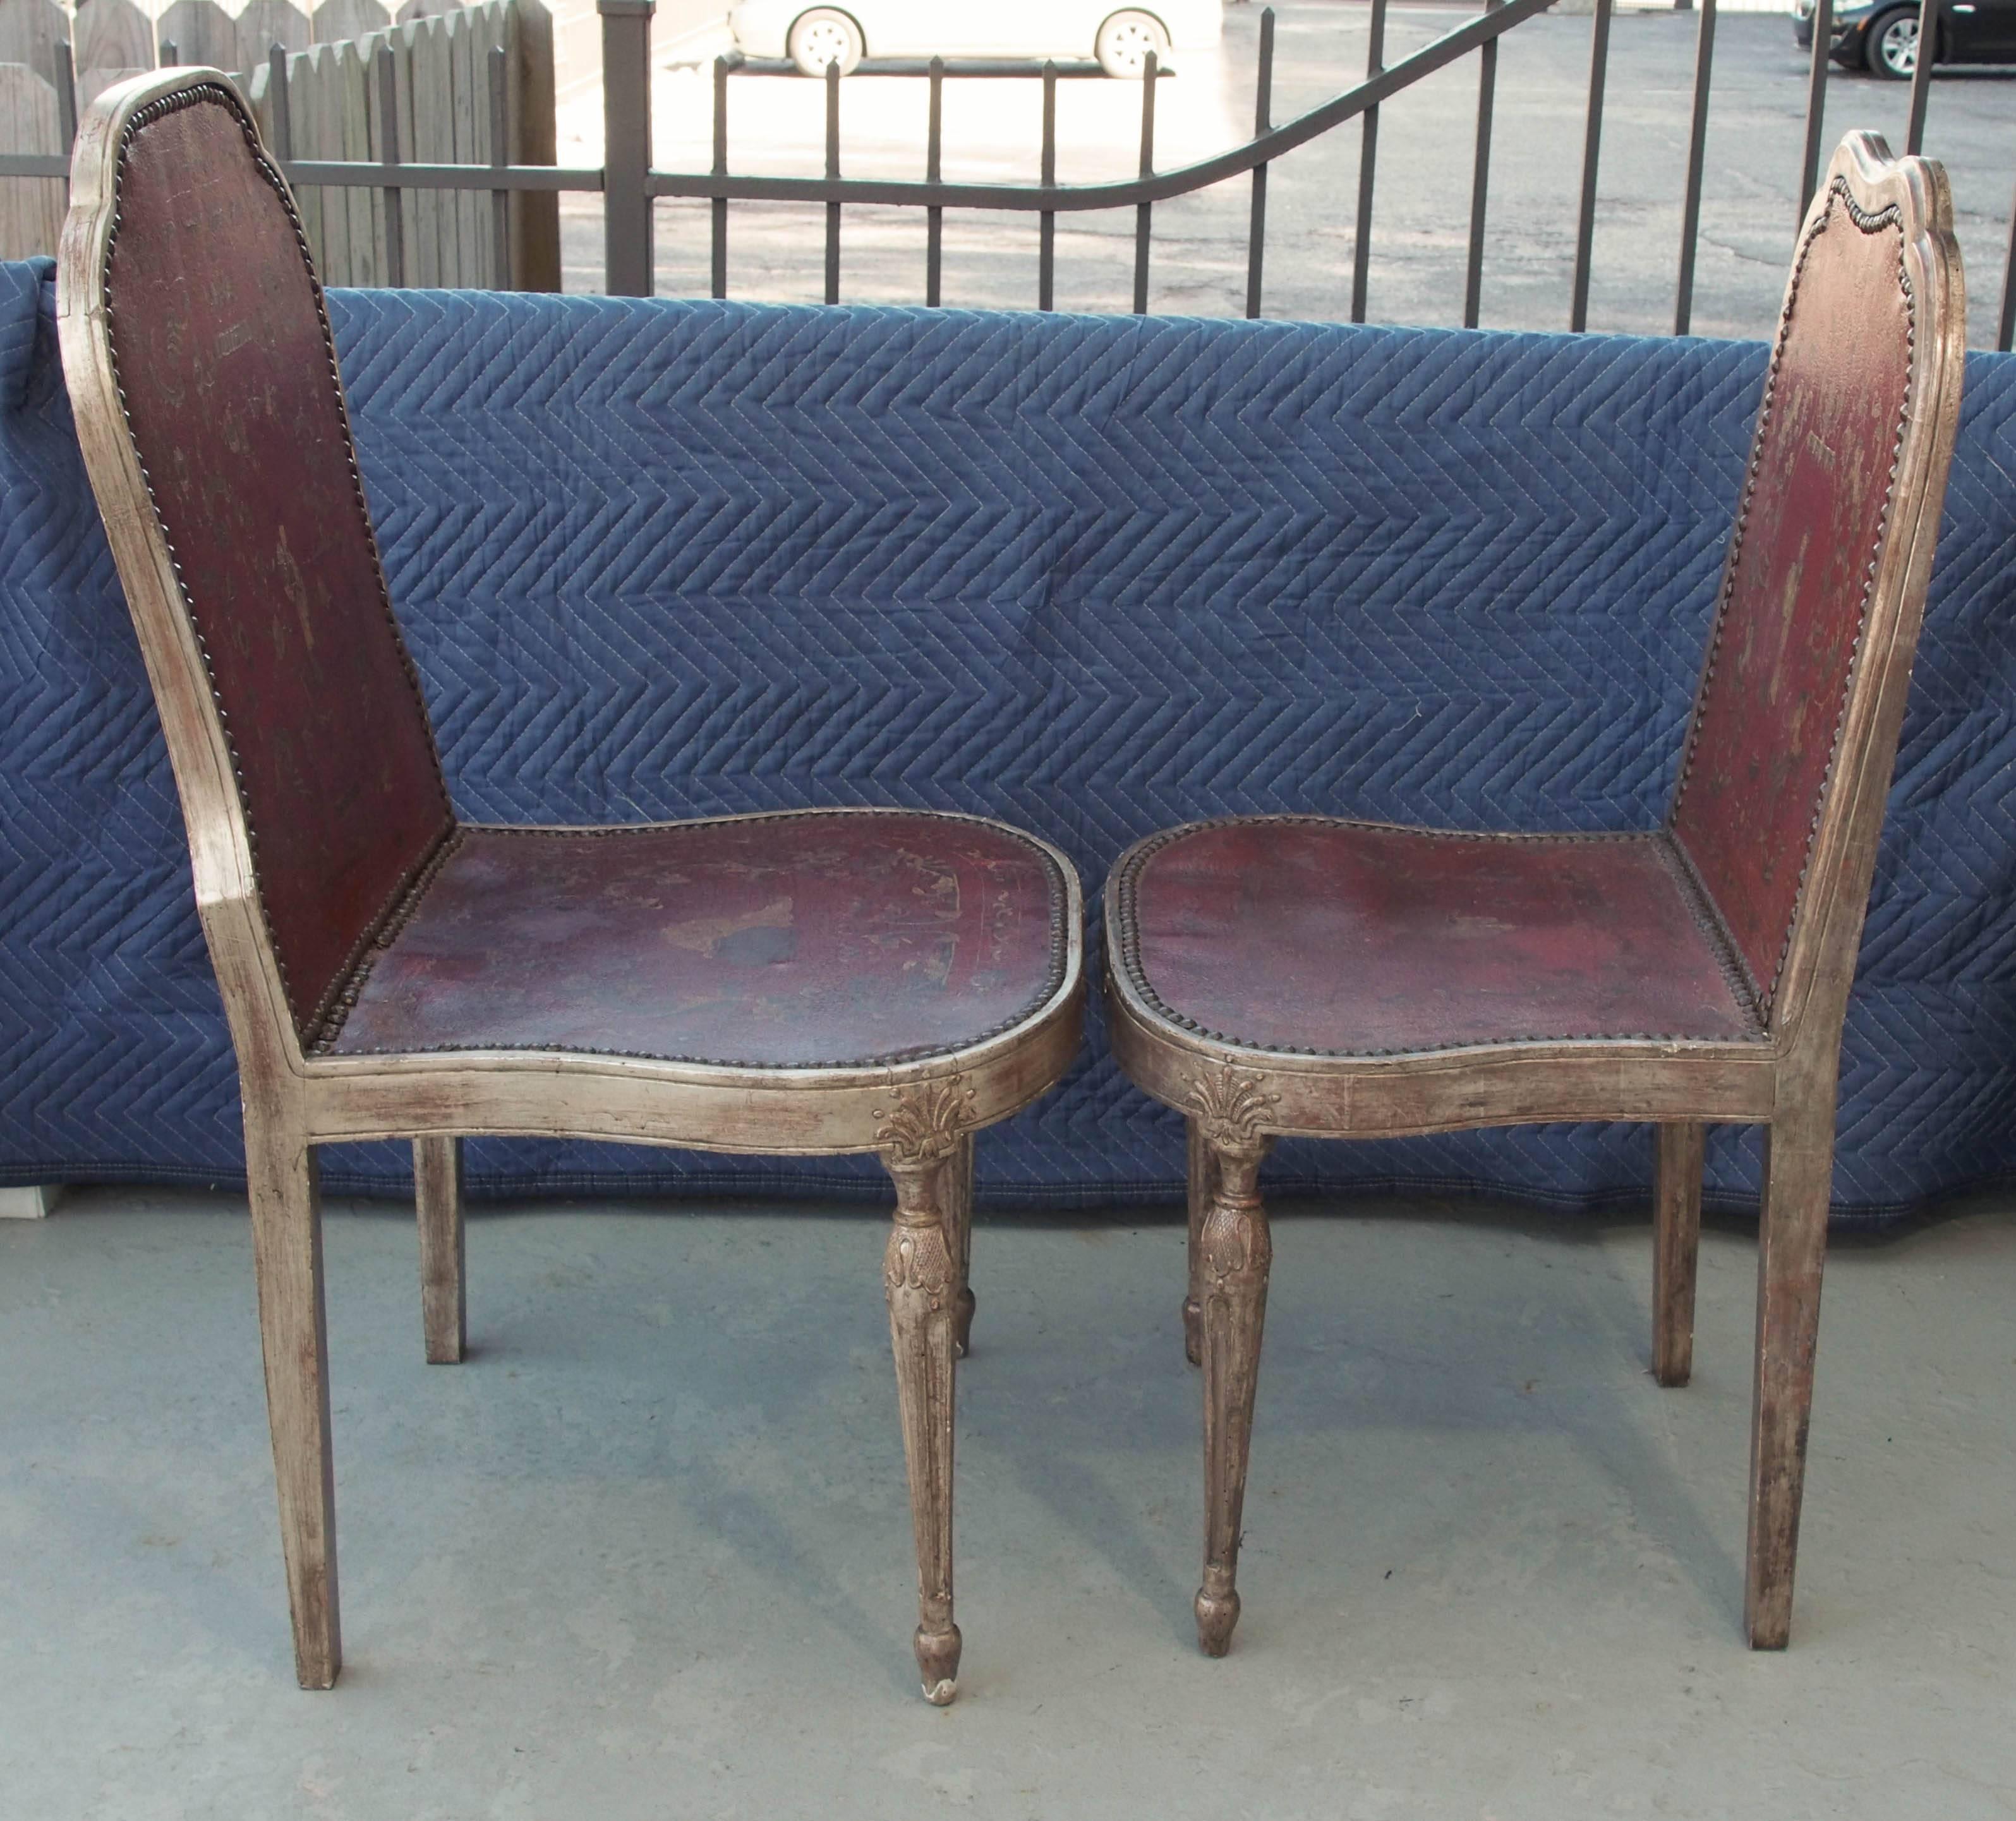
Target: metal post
66	96
282	147
388	156
1592	146
2008	329
626	159
1151	75
500	156
1809	176
1480	174
1921	77
720	170
1368	163
934	173
1046	244
1263	122
169	54
832	172
1683	307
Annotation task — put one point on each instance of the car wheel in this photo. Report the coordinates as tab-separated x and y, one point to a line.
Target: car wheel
823	37
1126	40
1893	45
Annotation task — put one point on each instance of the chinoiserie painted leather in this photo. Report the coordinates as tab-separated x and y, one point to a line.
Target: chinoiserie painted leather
1786	631
771	942
229	382
1358	938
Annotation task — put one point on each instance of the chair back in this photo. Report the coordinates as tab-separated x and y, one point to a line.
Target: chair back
1779	799
204	379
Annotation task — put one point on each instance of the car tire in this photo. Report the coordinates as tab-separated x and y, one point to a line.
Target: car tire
1124	41
822	36
1890	49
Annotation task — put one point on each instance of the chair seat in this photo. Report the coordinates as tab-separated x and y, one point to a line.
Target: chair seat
1352	939
812	940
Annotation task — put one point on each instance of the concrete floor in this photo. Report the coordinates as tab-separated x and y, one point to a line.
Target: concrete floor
645	1553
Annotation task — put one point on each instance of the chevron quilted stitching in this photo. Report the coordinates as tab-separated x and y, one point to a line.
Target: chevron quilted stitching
1092	576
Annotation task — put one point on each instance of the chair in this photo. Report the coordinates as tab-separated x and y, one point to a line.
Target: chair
1270	975
816	982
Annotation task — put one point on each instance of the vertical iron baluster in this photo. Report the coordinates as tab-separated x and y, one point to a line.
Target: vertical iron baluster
1479	174
1263	122
500	156
1368	162
1683	308
1047	250
1151	75
628	266
1592	146
1921	77
1815	103
388	156
934	173
832	172
720	210
2008	329
283	119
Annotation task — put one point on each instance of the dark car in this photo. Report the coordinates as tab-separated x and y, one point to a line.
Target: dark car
1882	36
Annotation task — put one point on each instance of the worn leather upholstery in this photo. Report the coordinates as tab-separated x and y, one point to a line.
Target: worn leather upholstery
1813	516
775	941
1352	938
229	382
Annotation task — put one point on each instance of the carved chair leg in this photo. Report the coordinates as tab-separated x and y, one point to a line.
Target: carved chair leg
1202	1181
922	1279
285	1188
1235	1252
1799	1168
444	1299
1675	1250
958	1237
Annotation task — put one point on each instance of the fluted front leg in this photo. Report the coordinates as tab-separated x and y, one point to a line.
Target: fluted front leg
924	1143
1235	1253
959	1236
1203	1181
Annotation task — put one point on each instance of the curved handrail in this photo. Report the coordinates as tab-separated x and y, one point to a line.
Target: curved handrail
1063	199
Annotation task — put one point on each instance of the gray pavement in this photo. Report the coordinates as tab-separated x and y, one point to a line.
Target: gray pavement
647	1554
1420	231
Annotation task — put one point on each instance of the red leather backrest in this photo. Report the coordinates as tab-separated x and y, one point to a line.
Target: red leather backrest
228	376
1814	514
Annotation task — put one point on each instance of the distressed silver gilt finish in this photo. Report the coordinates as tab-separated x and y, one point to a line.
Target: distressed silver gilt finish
915	1103
1308	976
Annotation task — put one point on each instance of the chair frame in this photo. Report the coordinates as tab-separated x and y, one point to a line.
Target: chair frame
918	1117
1238	1099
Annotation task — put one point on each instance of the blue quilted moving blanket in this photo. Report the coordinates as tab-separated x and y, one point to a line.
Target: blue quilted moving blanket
1093	576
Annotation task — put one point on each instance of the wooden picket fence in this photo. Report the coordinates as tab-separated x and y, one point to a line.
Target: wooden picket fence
447	99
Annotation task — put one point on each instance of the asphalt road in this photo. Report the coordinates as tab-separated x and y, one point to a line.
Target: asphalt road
1421	224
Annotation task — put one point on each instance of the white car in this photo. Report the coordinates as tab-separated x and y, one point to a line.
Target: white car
1119	35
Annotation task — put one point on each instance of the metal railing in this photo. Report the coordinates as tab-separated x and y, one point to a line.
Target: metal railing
630	188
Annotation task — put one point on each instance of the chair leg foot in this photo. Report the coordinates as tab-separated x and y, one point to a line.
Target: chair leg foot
1675	1250
920	1276
287	1250
443	1296
1798	1169
1203	1183
1236	1252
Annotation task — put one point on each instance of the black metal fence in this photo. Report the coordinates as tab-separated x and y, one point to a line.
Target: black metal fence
630	187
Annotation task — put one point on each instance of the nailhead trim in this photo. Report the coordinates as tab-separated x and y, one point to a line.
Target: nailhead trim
1129	934
309	1030
1765	994
410	902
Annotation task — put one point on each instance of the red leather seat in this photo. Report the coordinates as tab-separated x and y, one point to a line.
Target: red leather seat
771	942
1317	937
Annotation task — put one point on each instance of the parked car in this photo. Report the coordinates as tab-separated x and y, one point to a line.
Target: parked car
1119	35
1882	36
